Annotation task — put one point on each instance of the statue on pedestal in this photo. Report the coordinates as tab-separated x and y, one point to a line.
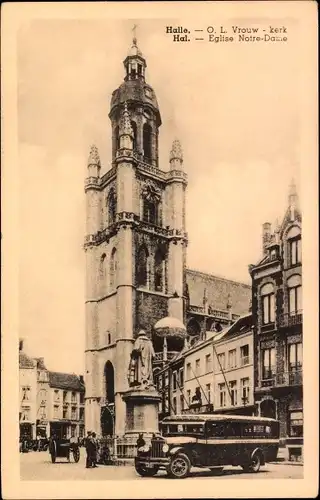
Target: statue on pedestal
140	367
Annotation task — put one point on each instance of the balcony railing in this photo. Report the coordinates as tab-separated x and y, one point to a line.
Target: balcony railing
268	382
289	378
170	355
290	319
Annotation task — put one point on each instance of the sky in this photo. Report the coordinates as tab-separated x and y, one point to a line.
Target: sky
235	109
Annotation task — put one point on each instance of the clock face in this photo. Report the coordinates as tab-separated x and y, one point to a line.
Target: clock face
148	93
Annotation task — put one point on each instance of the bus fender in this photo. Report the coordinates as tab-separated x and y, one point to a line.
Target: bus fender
176	449
259	450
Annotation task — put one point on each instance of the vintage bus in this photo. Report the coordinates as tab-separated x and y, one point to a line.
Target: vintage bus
208	441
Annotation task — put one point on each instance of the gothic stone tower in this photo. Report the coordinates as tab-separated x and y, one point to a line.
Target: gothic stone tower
135	245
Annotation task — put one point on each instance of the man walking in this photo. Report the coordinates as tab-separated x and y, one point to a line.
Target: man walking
89	446
94	450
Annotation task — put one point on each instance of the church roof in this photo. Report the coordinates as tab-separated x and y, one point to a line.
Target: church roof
25	361
67	381
219	291
134	90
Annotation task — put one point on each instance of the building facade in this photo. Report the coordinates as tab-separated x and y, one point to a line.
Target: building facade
135	248
215	374
66	405
28	394
277	312
50	402
233	369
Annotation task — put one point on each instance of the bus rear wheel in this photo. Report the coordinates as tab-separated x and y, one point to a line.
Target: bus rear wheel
179	466
254	465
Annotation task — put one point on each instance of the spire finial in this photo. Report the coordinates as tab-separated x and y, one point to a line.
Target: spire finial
293	195
94	157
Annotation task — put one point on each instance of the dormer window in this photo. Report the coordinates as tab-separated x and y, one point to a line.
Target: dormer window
273	254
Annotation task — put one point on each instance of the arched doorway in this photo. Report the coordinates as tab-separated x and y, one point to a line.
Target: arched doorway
268	408
107	411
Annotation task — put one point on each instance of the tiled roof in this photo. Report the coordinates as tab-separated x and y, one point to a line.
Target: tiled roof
67	381
25	361
241	326
218	290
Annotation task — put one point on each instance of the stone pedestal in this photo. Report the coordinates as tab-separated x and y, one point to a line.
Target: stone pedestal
142	408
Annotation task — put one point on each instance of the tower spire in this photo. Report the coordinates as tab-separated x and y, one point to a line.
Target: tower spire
94	157
176	155
293	195
125	124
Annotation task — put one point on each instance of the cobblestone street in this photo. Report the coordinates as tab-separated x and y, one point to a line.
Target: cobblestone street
37	466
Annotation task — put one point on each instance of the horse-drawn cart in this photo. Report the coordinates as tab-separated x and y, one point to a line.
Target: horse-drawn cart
63	448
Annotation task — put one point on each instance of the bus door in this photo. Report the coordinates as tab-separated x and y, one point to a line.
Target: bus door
215	443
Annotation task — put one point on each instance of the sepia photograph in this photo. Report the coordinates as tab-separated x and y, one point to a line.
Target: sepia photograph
162	185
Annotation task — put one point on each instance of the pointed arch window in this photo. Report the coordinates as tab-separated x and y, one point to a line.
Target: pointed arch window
134	129
294	246
143	267
147	138
113	269
112	206
150	211
159	271
117	137
102	274
268	304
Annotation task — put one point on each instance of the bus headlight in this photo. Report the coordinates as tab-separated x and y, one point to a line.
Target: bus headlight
165	448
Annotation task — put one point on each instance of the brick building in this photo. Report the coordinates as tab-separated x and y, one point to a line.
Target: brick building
135	248
277	312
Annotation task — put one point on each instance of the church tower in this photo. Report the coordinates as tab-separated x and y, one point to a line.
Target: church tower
135	245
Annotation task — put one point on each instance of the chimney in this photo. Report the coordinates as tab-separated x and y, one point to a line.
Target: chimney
266	236
21	341
81	379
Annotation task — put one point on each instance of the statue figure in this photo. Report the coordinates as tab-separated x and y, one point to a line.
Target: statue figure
140	366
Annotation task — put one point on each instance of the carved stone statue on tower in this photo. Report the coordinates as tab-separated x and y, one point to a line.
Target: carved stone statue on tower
140	366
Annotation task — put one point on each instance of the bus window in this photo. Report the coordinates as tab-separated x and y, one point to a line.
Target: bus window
193	429
232	430
215	429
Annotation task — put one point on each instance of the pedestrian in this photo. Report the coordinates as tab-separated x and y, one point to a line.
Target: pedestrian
94	450
88	444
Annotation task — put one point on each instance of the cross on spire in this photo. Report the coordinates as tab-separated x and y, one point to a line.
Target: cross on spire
134	30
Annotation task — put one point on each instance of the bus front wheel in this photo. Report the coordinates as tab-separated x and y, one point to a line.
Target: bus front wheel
146	472
179	466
